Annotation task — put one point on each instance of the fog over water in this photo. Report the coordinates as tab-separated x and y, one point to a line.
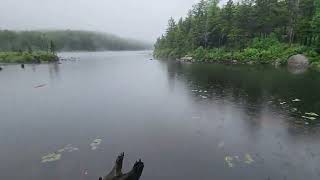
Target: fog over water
139	19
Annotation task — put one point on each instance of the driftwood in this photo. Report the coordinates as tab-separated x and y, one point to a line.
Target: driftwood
116	172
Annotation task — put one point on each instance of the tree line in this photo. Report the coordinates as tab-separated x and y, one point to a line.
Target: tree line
65	40
235	25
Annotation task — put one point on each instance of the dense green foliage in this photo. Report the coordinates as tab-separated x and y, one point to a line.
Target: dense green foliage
65	41
28	57
263	51
251	30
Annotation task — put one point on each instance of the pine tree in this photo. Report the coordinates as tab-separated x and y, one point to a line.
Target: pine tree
52	47
316	25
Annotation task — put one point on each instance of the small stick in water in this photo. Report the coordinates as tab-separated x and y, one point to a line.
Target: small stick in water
42	85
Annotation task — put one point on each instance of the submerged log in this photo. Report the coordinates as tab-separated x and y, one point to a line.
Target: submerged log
116	172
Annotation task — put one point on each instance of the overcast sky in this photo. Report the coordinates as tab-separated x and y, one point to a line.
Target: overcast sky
139	19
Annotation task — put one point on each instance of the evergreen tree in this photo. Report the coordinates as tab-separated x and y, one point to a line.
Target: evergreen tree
316	25
52	47
236	26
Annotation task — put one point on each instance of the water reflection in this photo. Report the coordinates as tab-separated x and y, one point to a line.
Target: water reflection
297	70
54	71
186	121
264	118
253	88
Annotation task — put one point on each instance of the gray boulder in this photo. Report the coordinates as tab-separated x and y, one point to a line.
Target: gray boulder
298	61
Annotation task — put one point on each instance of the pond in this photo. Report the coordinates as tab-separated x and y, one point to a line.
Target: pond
185	121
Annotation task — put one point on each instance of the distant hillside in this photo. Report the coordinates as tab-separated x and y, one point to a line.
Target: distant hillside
66	40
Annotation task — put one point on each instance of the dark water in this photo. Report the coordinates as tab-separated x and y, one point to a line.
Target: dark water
183	120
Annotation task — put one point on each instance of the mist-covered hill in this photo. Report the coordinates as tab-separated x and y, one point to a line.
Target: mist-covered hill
66	40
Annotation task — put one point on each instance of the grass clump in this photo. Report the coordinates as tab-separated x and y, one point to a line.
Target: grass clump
28	57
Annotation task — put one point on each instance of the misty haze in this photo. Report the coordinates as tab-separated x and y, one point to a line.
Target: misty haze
154	90
141	19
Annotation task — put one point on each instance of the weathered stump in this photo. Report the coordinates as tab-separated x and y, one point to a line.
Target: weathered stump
116	172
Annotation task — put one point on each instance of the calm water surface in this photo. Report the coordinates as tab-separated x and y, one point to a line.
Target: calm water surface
185	121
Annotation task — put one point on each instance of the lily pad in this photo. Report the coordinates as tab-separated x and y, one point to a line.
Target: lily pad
312	114
296	100
248	159
229	161
95	144
237	158
61	150
51	157
68	148
310	118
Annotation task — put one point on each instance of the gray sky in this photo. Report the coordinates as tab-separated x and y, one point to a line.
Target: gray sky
140	19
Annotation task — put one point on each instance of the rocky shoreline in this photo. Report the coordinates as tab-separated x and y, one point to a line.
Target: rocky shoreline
295	61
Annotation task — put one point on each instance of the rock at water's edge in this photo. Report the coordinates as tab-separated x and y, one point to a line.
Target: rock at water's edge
277	63
298	61
187	59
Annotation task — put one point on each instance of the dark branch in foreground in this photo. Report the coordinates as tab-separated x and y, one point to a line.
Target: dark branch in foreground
116	172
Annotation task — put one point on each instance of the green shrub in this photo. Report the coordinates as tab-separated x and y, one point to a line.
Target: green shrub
27	57
199	54
264	43
261	50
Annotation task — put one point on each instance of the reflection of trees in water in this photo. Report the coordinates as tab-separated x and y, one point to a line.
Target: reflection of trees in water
254	87
54	70
173	71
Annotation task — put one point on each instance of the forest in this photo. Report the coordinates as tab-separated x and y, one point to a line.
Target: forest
65	40
261	31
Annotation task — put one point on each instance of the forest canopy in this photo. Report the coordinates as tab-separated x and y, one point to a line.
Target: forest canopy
66	40
250	28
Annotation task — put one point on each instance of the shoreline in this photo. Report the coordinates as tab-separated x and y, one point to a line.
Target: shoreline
294	58
276	64
37	57
312	66
227	62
